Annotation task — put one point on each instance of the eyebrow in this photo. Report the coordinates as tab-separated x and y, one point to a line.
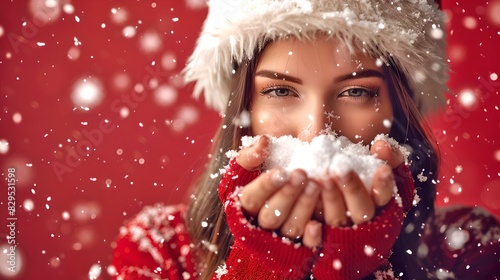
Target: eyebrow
278	76
365	73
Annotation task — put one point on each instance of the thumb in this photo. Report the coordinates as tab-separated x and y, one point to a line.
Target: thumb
387	152
253	156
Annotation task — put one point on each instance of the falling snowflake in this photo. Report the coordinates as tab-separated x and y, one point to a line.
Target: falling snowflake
129	31
94	271
150	42
421	177
337	264
369	250
4	146
87	93
221	270
457	238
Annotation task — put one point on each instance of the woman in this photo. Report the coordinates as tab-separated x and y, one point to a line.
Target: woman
303	68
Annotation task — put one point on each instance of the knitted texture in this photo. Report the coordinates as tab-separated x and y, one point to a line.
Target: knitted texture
257	253
405	184
458	242
465	236
234	177
144	249
355	252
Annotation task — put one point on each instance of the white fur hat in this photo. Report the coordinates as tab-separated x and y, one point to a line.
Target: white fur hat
408	32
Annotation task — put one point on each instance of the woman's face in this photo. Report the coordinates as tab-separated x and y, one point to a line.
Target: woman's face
305	88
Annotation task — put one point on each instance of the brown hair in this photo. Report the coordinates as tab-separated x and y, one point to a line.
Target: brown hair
409	128
205	205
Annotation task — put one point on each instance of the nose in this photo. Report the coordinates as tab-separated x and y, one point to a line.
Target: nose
317	119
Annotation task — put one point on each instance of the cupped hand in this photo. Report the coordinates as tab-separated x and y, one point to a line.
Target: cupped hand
345	200
286	202
281	201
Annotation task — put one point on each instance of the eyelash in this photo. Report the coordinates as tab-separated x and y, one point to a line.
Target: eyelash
372	91
268	89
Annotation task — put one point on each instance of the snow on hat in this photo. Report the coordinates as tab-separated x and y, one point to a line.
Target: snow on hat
407	32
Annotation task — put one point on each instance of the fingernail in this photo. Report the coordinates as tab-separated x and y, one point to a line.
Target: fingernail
311	188
388	144
297	179
392	144
279	177
315	229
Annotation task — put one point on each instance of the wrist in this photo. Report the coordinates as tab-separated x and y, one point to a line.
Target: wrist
234	177
265	250
355	252
405	186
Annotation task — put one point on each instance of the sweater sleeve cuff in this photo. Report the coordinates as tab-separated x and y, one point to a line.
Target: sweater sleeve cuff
260	251
235	176
263	258
355	252
405	186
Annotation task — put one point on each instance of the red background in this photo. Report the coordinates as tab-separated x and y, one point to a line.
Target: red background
67	220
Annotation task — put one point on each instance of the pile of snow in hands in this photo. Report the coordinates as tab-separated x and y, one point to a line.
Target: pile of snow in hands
324	156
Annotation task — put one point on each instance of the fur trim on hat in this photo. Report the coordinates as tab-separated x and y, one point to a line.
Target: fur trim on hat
408	32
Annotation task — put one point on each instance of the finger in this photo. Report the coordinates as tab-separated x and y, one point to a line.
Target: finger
312	234
253	156
334	208
384	151
318	210
301	212
357	199
276	209
257	192
383	185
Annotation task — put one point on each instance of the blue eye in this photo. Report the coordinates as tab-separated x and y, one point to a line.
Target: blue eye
358	92
282	92
278	91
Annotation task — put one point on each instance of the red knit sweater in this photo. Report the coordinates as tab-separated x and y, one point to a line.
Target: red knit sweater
461	243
